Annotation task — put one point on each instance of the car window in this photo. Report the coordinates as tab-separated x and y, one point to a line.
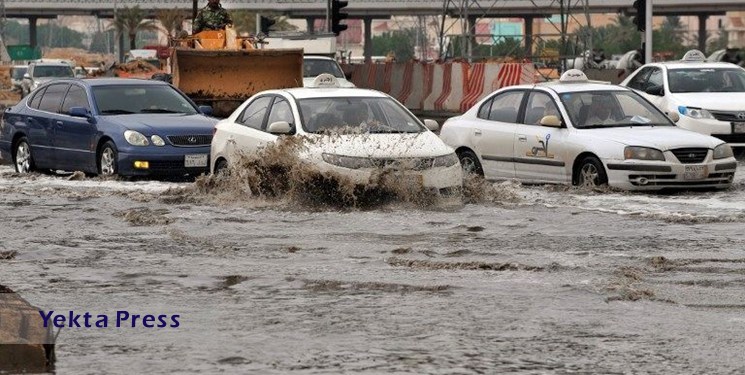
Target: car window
36	99
655	78
505	106
281	111
484	110
53	71
609	108
138	98
253	115
539	104
75	97
52	98
639	81
315	67
706	80
357	114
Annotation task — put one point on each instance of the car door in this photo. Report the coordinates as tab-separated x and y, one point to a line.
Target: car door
494	131
538	150
37	131
46	119
73	135
639	81
246	135
656	80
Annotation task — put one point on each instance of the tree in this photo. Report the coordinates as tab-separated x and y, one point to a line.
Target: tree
244	22
400	42
48	35
131	21
171	21
101	42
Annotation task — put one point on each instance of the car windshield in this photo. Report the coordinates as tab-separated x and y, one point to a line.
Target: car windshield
706	80
18	72
53	71
607	109
369	115
314	67
129	99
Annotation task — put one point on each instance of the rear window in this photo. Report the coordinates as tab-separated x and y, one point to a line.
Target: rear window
53	71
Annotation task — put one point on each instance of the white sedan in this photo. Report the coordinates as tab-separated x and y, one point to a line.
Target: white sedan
709	96
352	132
575	131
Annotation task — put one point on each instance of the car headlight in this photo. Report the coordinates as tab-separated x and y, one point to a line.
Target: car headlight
135	138
445	161
642	153
698	113
157	140
723	151
350	162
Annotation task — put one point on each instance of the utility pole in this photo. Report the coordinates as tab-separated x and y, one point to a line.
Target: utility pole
648	33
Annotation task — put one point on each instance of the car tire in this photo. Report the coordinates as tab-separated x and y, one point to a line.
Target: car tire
221	167
470	162
108	164
23	159
591	173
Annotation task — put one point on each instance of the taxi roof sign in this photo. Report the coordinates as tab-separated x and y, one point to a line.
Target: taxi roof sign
573	75
325	80
694	55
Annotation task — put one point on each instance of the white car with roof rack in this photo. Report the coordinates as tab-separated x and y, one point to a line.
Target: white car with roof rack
708	96
353	132
576	131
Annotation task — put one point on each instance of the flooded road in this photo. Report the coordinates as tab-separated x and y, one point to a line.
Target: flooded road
561	281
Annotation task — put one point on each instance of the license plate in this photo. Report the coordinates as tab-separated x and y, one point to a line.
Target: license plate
198	160
695	172
738	127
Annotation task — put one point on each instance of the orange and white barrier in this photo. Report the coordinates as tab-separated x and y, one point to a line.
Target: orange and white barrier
397	80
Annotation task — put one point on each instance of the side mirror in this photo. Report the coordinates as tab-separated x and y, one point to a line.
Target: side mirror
655	90
26	76
551	121
279	127
674	116
81	112
432	125
205	110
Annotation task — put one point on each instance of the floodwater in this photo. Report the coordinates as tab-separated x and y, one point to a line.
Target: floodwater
539	280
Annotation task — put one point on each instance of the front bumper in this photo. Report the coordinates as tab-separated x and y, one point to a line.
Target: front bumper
167	161
723	130
657	175
441	180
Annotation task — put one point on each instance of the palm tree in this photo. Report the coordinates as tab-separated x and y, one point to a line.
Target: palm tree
132	20
244	22
171	21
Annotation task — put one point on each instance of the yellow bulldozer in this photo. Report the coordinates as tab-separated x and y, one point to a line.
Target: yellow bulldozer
221	69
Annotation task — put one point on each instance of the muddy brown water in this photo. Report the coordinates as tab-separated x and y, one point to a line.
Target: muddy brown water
557	281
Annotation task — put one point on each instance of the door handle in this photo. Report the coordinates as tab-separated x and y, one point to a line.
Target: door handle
30	119
522	138
477	132
59	123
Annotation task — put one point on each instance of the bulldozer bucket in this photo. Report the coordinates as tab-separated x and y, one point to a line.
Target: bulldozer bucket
226	78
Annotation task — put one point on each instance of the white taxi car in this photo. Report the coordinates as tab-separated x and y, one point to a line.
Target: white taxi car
352	132
709	96
587	133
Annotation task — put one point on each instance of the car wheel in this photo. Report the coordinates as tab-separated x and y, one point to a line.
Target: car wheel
221	167
107	160
591	173
470	163
22	158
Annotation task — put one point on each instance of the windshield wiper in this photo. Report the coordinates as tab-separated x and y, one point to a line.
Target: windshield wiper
158	110
116	112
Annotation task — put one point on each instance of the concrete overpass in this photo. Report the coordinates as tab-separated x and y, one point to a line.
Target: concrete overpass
370	9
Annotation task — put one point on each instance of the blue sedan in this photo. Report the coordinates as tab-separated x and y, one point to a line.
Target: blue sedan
128	127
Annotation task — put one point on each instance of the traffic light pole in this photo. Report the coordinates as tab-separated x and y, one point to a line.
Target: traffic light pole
648	33
328	16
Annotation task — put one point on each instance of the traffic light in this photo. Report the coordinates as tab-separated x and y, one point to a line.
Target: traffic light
640	20
265	23
337	16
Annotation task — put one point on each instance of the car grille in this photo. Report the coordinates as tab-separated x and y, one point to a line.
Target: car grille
412	164
690	155
731	138
729	115
190	140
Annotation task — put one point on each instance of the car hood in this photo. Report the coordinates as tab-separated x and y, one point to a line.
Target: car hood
410	145
166	124
659	137
722	101
308	82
